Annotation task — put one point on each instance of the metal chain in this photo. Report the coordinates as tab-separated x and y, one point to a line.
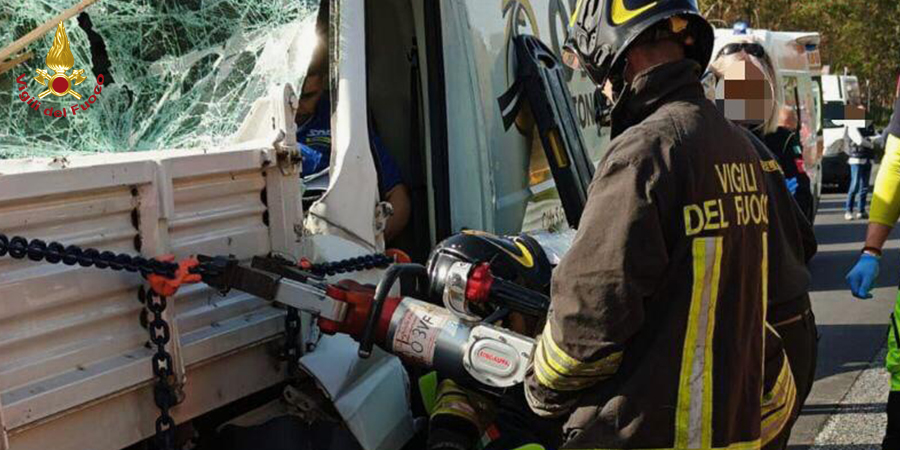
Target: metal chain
55	253
379	260
164	394
291	351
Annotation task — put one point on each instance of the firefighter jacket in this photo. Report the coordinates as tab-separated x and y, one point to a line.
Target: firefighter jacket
792	243
656	335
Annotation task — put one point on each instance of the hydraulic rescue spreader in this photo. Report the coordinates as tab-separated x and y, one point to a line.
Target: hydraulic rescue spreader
454	340
479	278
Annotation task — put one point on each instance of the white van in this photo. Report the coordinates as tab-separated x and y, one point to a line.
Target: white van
74	369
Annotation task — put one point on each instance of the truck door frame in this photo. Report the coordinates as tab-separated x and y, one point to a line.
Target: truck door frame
437	118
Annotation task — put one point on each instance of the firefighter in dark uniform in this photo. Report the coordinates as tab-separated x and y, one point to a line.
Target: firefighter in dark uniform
792	244
656	336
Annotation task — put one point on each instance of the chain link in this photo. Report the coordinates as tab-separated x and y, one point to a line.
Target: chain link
291	351
36	250
164	394
379	260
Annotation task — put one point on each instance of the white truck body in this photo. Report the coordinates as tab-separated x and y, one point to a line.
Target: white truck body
74	371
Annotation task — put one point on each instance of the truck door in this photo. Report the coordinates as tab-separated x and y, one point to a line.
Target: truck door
498	178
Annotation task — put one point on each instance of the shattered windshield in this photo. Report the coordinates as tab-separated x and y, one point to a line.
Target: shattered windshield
175	74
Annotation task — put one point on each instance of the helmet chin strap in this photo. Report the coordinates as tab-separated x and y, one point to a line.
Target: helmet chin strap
619	85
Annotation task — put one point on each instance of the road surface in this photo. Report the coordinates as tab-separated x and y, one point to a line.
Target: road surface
846	407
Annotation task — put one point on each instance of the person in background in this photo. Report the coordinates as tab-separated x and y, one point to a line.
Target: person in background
862	153
784	143
884	213
758	105
314	141
744	92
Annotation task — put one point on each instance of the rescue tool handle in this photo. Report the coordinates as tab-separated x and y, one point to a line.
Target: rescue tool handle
225	273
367	341
518	298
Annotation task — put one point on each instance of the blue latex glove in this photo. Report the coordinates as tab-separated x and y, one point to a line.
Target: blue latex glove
792	185
862	276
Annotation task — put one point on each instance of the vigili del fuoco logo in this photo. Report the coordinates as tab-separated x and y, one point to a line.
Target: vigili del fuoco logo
59	59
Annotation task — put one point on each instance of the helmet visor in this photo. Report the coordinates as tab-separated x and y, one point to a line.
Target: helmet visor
572	60
578	61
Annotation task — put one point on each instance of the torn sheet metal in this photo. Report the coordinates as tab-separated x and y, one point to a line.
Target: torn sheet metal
372	395
348	208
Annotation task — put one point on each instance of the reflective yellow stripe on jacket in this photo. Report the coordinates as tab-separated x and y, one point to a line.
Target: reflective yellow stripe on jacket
693	418
557	370
886	198
457	401
778	404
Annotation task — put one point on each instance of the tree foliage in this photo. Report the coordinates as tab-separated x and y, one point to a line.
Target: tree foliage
861	36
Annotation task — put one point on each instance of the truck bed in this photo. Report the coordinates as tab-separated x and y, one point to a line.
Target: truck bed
74	364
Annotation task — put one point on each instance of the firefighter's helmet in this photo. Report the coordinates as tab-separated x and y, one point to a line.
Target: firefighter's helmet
519	259
601	31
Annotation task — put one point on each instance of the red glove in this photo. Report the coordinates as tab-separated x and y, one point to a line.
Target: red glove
167	287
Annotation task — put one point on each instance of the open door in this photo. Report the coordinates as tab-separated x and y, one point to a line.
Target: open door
540	79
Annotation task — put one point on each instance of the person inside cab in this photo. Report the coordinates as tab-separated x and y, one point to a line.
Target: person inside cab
314	142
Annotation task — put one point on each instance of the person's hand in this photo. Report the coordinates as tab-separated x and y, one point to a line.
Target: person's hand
862	276
167	287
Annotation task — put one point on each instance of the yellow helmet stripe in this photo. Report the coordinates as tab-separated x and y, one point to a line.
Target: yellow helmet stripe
575	14
621	14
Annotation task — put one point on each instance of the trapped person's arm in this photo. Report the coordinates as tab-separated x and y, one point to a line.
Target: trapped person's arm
393	190
399	199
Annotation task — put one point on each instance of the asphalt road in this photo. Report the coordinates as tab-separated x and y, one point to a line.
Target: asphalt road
851	331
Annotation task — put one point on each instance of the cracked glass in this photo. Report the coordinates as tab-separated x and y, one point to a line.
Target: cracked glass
176	74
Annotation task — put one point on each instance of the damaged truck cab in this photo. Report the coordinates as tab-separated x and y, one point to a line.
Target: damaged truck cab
489	132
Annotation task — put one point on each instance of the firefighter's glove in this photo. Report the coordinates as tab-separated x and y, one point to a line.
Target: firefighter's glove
863	275
167	287
449	432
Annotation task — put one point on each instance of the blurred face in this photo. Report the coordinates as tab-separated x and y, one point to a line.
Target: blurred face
788	118
744	93
313	88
